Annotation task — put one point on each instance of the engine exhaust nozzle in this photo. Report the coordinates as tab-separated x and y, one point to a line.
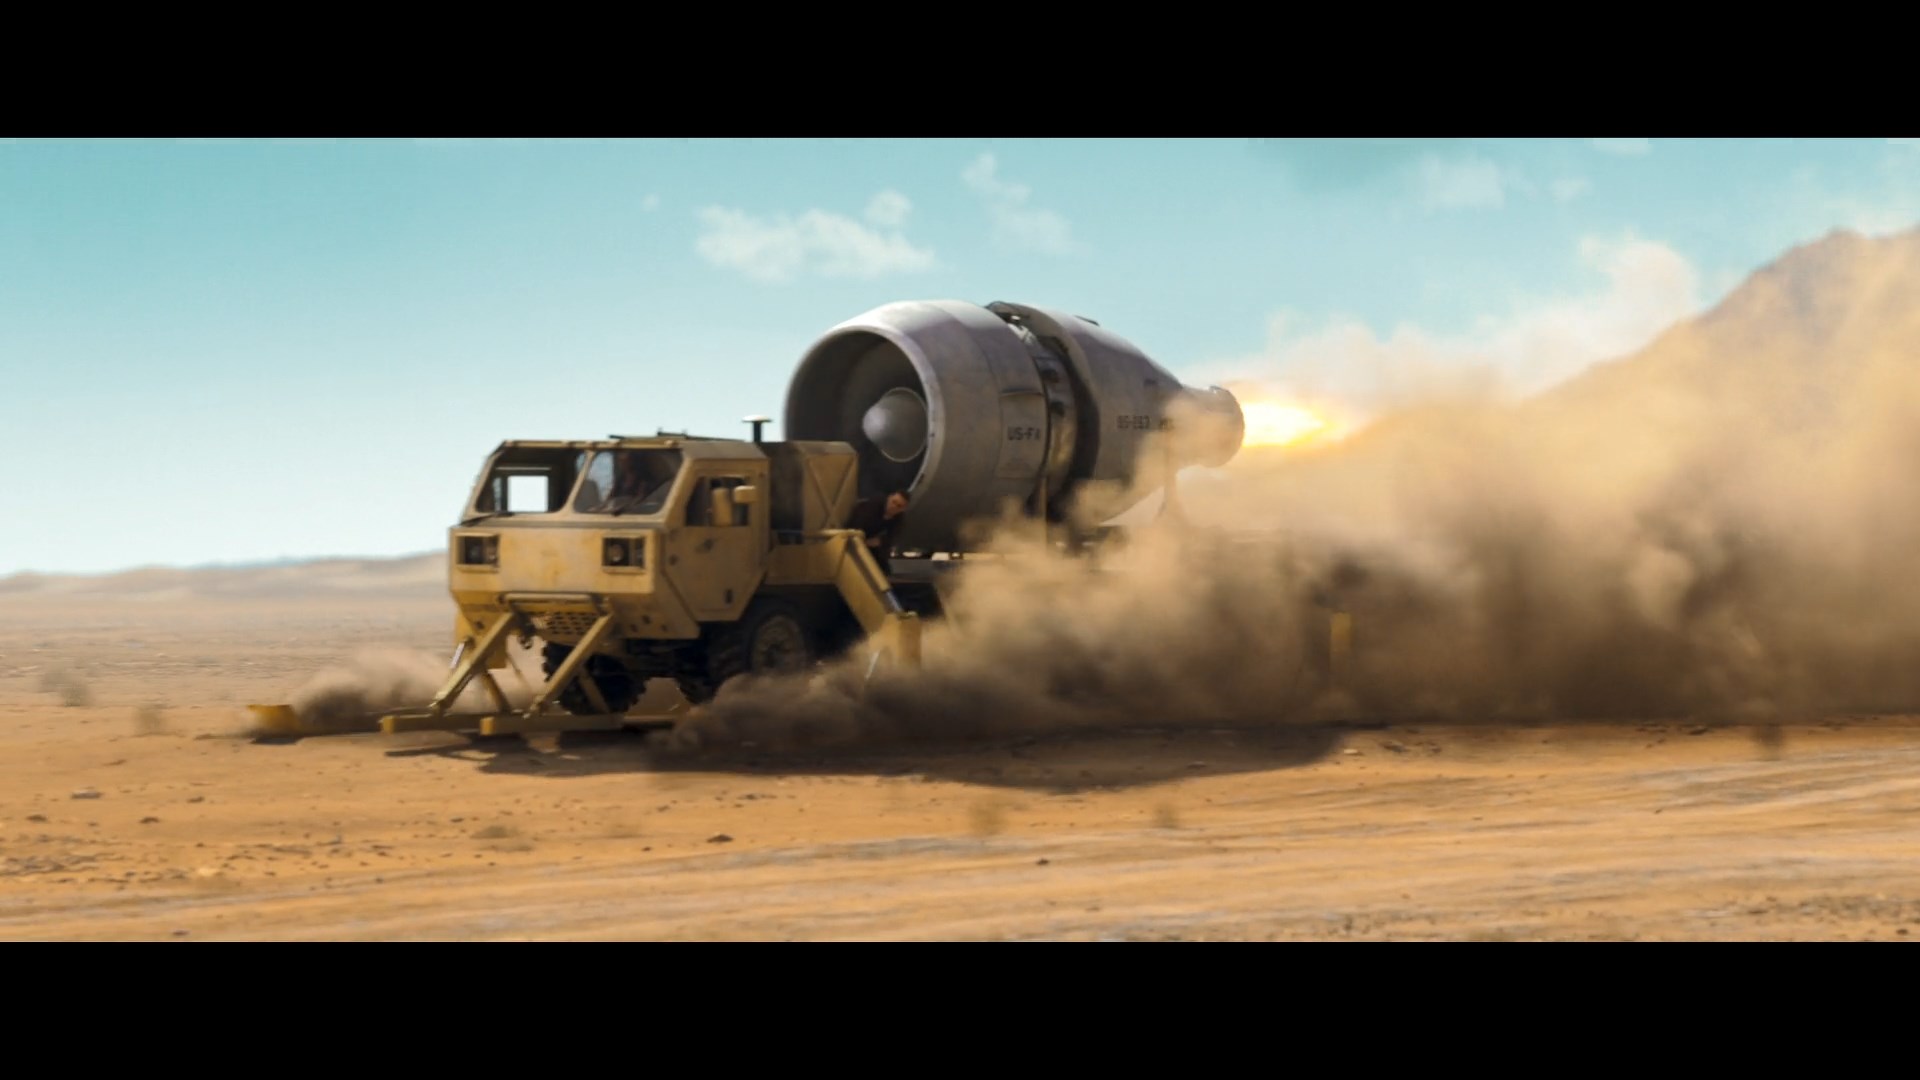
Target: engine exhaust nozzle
971	407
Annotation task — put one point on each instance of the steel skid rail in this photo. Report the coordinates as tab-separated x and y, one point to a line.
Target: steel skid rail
896	644
472	663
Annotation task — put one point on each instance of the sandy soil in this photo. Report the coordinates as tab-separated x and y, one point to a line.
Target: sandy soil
140	811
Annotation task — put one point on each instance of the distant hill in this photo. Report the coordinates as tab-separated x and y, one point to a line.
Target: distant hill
1791	342
1805	356
421	575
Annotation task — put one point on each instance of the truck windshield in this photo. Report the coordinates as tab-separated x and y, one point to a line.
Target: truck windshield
528	480
628	482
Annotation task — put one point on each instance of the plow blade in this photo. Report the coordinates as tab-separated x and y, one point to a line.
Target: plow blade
277	720
284	721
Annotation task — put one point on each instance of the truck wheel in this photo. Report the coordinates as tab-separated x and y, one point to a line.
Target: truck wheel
768	639
616	683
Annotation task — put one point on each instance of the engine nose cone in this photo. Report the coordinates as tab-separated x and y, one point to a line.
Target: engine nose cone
897	424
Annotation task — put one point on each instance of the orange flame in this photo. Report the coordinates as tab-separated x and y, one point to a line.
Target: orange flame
1277	423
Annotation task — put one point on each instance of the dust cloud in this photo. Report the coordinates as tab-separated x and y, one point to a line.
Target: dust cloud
374	681
1723	526
1032	642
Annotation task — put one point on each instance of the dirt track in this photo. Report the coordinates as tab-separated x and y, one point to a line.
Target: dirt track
196	833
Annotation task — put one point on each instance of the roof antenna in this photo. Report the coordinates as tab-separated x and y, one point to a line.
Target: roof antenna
756	421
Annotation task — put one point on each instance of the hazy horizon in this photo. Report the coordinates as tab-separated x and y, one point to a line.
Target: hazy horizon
239	564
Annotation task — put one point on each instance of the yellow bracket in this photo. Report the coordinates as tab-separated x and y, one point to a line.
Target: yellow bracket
575	664
474	664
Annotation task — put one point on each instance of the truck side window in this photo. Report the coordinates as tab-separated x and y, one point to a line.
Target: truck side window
742	515
700	503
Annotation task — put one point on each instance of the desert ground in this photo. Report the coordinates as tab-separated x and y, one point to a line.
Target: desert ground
135	806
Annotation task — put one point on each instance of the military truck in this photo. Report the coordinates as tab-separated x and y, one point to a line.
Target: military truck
678	557
700	559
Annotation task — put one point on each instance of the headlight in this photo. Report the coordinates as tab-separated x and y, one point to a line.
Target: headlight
623	553
479	550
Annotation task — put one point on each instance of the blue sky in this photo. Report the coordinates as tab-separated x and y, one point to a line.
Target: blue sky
230	351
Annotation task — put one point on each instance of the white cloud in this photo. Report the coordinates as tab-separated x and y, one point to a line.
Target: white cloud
1478	182
888	209
1626	147
1346	365
1016	225
1570	188
650	203
778	248
1465	182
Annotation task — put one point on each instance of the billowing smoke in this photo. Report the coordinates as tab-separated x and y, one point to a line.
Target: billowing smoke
1722	526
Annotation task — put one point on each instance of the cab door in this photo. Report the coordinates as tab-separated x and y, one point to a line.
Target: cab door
717	565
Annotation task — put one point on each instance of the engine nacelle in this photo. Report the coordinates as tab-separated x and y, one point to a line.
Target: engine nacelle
969	408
